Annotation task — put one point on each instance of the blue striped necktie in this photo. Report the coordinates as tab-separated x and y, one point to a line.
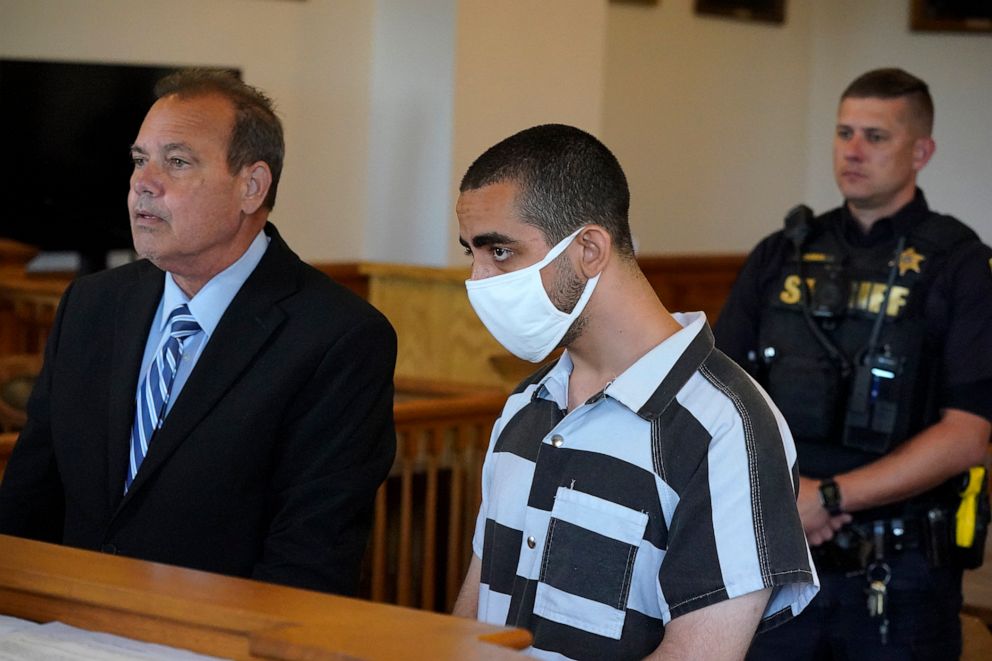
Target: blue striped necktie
153	395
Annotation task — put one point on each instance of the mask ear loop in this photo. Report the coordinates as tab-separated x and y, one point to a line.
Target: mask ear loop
556	252
589	287
559	248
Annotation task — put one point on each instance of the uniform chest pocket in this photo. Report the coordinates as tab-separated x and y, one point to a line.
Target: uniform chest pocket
588	562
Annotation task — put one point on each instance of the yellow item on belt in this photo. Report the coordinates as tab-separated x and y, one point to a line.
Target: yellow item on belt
968	509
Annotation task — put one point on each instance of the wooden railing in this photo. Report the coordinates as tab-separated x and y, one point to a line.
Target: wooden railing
27	310
425	511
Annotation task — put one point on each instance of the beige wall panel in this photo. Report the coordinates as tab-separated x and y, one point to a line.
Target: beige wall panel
439	334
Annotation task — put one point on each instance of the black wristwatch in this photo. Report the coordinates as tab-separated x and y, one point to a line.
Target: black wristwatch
830	496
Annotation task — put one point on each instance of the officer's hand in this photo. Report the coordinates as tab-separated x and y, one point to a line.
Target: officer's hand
817	522
826	533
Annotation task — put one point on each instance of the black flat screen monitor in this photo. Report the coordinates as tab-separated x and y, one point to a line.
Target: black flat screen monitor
66	168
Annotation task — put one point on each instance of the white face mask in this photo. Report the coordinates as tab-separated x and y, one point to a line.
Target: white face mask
517	311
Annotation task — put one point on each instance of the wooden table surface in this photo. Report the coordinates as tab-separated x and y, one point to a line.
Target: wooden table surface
228	617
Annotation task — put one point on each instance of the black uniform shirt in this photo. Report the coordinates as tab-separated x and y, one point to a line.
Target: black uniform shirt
958	308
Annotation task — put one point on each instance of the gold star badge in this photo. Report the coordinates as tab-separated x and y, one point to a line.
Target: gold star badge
910	260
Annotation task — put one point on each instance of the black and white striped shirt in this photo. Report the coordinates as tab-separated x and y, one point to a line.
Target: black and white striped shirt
672	489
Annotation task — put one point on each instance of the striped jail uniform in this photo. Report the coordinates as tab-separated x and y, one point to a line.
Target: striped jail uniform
672	489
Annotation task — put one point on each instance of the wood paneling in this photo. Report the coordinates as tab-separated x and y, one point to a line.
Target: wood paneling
687	283
440	337
348	274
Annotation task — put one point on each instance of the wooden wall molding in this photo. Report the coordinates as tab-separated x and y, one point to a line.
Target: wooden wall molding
441	338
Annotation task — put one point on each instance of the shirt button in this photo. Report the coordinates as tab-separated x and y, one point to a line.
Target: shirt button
531	542
557	440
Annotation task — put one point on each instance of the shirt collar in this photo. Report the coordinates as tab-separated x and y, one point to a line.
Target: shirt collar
638	388
210	303
901	223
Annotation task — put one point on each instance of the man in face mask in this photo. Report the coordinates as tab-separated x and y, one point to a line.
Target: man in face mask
638	493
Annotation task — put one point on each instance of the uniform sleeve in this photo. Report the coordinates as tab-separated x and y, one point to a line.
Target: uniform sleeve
967	349
338	444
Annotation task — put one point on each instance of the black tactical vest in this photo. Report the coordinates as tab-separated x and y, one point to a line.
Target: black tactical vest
833	394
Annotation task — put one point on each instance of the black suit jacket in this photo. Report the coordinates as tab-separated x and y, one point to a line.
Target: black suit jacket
267	464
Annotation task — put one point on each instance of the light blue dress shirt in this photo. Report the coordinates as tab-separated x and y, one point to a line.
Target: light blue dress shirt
207	307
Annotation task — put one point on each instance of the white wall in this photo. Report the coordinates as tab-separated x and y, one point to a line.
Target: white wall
722	125
312	57
708	118
519	63
411	131
851	37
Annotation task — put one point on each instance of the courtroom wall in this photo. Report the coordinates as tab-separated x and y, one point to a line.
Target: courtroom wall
852	36
723	125
313	57
708	117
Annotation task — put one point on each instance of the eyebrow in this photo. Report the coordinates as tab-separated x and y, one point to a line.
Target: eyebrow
172	146
488	239
841	125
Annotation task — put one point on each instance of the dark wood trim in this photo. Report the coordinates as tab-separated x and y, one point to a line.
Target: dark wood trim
683	282
347	274
687	283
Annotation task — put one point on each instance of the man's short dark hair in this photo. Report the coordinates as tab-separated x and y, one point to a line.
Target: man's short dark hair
895	83
566	178
257	131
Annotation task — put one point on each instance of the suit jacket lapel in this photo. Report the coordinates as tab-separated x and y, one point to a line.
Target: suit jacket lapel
248	323
135	311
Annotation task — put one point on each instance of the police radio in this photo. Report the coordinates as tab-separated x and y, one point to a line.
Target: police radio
873	401
874	377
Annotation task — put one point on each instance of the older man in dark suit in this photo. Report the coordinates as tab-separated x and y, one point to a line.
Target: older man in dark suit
218	404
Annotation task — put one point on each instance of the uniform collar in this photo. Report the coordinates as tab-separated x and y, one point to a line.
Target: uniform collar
901	223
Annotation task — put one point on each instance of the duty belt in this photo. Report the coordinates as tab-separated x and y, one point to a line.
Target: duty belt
854	546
